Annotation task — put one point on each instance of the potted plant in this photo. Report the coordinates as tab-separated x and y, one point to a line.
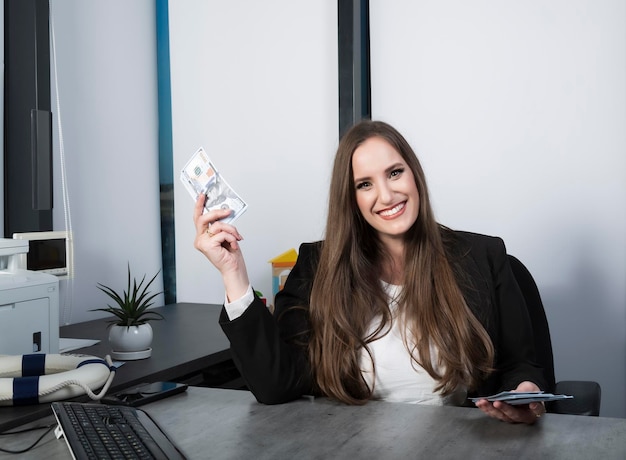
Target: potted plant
130	333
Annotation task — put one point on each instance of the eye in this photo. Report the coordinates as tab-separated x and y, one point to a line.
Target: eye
396	172
363	185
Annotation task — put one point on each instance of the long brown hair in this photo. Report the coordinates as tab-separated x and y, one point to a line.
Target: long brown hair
347	294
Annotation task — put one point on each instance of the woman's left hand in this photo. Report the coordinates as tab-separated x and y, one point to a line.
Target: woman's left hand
526	413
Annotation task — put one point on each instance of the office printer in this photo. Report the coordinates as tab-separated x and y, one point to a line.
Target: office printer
29	305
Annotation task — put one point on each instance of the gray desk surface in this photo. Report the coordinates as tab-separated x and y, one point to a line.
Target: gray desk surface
230	424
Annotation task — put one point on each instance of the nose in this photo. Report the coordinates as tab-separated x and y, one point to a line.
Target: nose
385	193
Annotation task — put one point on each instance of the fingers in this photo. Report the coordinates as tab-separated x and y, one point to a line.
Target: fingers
223	232
492	411
512	414
198	209
538	409
219	242
207	219
217	237
202	219
527	386
519	414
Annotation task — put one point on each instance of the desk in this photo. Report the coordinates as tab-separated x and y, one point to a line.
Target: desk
224	424
187	341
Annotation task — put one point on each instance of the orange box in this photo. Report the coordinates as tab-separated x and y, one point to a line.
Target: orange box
281	266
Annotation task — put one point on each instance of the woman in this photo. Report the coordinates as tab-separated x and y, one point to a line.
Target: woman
391	305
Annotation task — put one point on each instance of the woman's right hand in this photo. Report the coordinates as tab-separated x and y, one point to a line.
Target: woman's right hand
219	242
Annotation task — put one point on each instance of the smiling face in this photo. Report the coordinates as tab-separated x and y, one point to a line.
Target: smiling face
385	188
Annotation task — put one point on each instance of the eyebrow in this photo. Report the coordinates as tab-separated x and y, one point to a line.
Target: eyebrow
387	171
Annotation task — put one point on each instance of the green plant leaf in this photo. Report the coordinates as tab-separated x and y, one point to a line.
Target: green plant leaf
132	305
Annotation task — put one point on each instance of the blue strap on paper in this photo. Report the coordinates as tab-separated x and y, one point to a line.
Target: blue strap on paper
34	364
26	388
26	391
95	361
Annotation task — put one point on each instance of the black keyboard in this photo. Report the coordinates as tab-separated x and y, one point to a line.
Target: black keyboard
98	431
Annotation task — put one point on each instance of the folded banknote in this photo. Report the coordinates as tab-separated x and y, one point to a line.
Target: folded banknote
200	176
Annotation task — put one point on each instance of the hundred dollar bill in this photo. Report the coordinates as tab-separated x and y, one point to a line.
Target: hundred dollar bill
200	176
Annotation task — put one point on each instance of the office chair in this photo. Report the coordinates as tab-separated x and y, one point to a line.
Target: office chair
587	394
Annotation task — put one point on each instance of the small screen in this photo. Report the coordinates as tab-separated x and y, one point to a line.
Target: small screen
46	254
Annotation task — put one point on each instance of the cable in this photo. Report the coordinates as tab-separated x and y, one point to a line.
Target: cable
85	388
67	306
48	429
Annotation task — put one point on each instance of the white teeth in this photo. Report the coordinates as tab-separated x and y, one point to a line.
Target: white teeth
392	211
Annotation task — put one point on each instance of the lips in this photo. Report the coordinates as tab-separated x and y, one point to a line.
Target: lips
390	213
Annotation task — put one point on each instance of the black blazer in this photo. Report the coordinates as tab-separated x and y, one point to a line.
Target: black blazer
267	348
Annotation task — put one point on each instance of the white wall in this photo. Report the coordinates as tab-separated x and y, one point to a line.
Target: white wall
106	65
517	110
255	83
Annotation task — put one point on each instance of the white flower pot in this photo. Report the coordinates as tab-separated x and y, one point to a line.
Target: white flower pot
130	342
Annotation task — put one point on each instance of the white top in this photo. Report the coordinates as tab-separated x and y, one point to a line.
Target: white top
398	379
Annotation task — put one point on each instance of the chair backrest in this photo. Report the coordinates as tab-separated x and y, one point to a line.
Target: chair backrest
587	394
541	330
